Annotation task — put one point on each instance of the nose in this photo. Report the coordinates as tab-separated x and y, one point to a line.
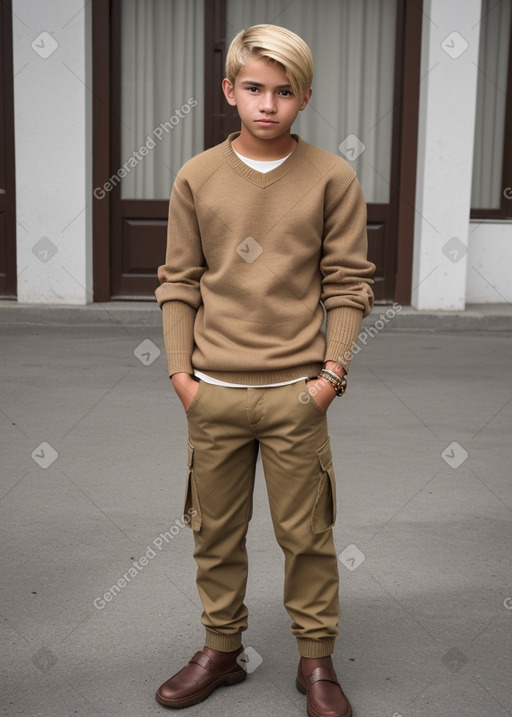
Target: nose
267	103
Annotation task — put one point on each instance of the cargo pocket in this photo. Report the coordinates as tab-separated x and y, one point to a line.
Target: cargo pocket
192	506
324	509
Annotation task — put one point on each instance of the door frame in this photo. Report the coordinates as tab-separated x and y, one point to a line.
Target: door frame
101	141
405	131
8	279
408	97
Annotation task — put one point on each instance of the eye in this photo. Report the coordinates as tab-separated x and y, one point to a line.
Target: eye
286	93
253	90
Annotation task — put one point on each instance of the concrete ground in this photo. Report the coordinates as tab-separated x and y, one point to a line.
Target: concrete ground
92	484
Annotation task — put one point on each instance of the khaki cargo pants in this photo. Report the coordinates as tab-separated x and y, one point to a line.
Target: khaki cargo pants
227	427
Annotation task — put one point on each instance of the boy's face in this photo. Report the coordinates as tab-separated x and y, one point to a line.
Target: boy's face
264	99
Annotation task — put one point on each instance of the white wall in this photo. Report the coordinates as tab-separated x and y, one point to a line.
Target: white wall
447	117
52	104
489	279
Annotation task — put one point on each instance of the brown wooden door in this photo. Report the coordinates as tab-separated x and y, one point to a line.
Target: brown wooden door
136	236
7	184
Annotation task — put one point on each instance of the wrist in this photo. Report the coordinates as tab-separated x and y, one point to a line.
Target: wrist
182	377
339	383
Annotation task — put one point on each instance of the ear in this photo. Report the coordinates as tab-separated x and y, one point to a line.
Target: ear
229	92
306	99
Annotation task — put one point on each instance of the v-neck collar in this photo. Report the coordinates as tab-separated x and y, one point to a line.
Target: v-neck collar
262	179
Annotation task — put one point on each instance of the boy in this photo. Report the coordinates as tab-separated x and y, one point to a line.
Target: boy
265	230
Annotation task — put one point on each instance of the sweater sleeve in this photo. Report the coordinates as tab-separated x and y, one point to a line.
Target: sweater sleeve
184	264
347	273
179	293
343	326
178	324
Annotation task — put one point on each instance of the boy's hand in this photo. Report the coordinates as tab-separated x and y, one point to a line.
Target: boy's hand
186	387
322	390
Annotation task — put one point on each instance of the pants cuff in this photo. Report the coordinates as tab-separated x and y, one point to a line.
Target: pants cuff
222	642
315	648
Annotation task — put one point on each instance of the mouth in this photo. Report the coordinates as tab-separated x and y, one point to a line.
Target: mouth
265	121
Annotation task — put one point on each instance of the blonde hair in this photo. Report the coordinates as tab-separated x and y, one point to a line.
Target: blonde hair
275	44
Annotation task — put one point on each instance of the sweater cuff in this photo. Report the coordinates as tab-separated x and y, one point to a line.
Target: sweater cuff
343	327
178	326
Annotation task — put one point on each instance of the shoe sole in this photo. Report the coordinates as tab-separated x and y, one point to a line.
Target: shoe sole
303	691
201	696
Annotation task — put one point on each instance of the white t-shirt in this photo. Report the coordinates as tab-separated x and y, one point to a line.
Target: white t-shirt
262	166
259	167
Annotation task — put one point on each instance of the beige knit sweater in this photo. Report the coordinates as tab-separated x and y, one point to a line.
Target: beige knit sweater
252	260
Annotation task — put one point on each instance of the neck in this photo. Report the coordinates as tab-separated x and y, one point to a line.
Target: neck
264	150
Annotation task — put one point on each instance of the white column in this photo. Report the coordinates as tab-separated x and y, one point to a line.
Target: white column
445	152
52	103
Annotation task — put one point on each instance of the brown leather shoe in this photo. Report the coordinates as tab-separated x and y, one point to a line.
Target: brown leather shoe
317	679
206	670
